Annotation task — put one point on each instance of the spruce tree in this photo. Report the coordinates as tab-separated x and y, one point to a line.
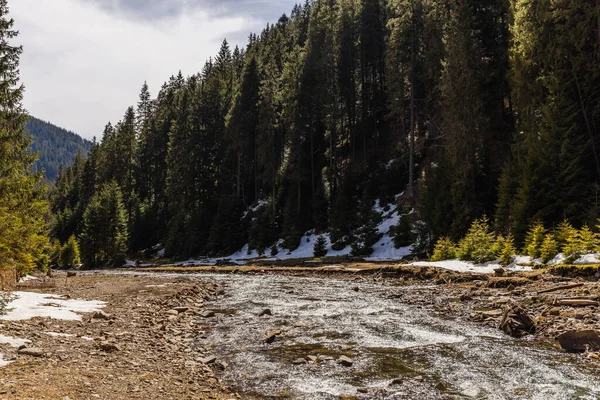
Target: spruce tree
23	207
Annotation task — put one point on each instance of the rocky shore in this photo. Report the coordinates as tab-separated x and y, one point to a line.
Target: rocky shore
141	345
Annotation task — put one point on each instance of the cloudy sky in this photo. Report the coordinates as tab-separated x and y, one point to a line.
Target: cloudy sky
85	61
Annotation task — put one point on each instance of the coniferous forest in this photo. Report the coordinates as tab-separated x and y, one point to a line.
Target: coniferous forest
467	108
55	147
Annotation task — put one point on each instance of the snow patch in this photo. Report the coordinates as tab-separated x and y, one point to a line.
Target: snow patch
57	334
28	278
14	342
28	305
3	363
468	266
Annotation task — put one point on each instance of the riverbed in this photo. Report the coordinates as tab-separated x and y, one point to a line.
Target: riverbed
398	350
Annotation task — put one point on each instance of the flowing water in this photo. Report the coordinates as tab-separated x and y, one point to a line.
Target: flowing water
399	351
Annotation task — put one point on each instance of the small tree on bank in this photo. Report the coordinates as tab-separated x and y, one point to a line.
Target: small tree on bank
104	238
320	249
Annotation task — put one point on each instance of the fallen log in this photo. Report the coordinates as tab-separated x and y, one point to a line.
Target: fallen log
577	302
563	287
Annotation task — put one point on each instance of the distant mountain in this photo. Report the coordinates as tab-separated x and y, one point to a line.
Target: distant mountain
56	146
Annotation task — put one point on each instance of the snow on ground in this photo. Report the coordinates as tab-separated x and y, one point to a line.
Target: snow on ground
588	259
57	334
27	278
29	305
467	266
14	342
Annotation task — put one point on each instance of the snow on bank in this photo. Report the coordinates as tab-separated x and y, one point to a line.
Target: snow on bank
14	342
467	266
28	305
28	278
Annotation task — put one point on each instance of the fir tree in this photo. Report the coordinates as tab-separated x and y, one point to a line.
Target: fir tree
23	235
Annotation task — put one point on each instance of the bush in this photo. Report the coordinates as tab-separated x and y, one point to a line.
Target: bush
549	248
583	241
320	249
445	249
534	239
69	256
508	251
562	233
478	243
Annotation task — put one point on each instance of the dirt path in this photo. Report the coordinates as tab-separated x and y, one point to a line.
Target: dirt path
144	350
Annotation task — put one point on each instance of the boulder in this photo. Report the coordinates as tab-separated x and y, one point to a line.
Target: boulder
580	341
207	314
101	315
265	312
109	347
299	361
272	335
345	361
208	360
31	351
499	271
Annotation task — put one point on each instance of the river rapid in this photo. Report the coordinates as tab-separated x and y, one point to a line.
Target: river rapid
399	349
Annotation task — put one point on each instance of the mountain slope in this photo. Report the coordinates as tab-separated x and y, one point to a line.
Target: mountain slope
56	146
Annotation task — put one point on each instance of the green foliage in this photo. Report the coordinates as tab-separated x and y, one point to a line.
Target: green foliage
69	255
320	249
562	233
367	233
534	240
104	237
478	243
5	299
584	241
549	248
56	147
23	205
403	235
445	249
507	251
498	100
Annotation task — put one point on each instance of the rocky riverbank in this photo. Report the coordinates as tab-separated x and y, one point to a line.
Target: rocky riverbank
558	305
141	345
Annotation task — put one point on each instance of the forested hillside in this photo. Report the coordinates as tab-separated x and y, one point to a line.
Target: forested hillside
468	107
56	146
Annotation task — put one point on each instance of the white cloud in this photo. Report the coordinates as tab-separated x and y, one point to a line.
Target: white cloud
83	66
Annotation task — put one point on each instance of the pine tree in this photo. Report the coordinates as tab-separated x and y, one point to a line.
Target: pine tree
104	236
69	255
320	248
23	235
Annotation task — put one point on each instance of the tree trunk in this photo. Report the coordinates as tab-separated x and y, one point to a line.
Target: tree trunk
411	167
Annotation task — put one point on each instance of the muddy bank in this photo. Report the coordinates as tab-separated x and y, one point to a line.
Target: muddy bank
139	347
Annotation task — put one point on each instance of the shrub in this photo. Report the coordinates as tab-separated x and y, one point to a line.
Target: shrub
583	241
534	239
445	249
55	253
69	256
562	233
549	248
508	251
478	243
320	249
